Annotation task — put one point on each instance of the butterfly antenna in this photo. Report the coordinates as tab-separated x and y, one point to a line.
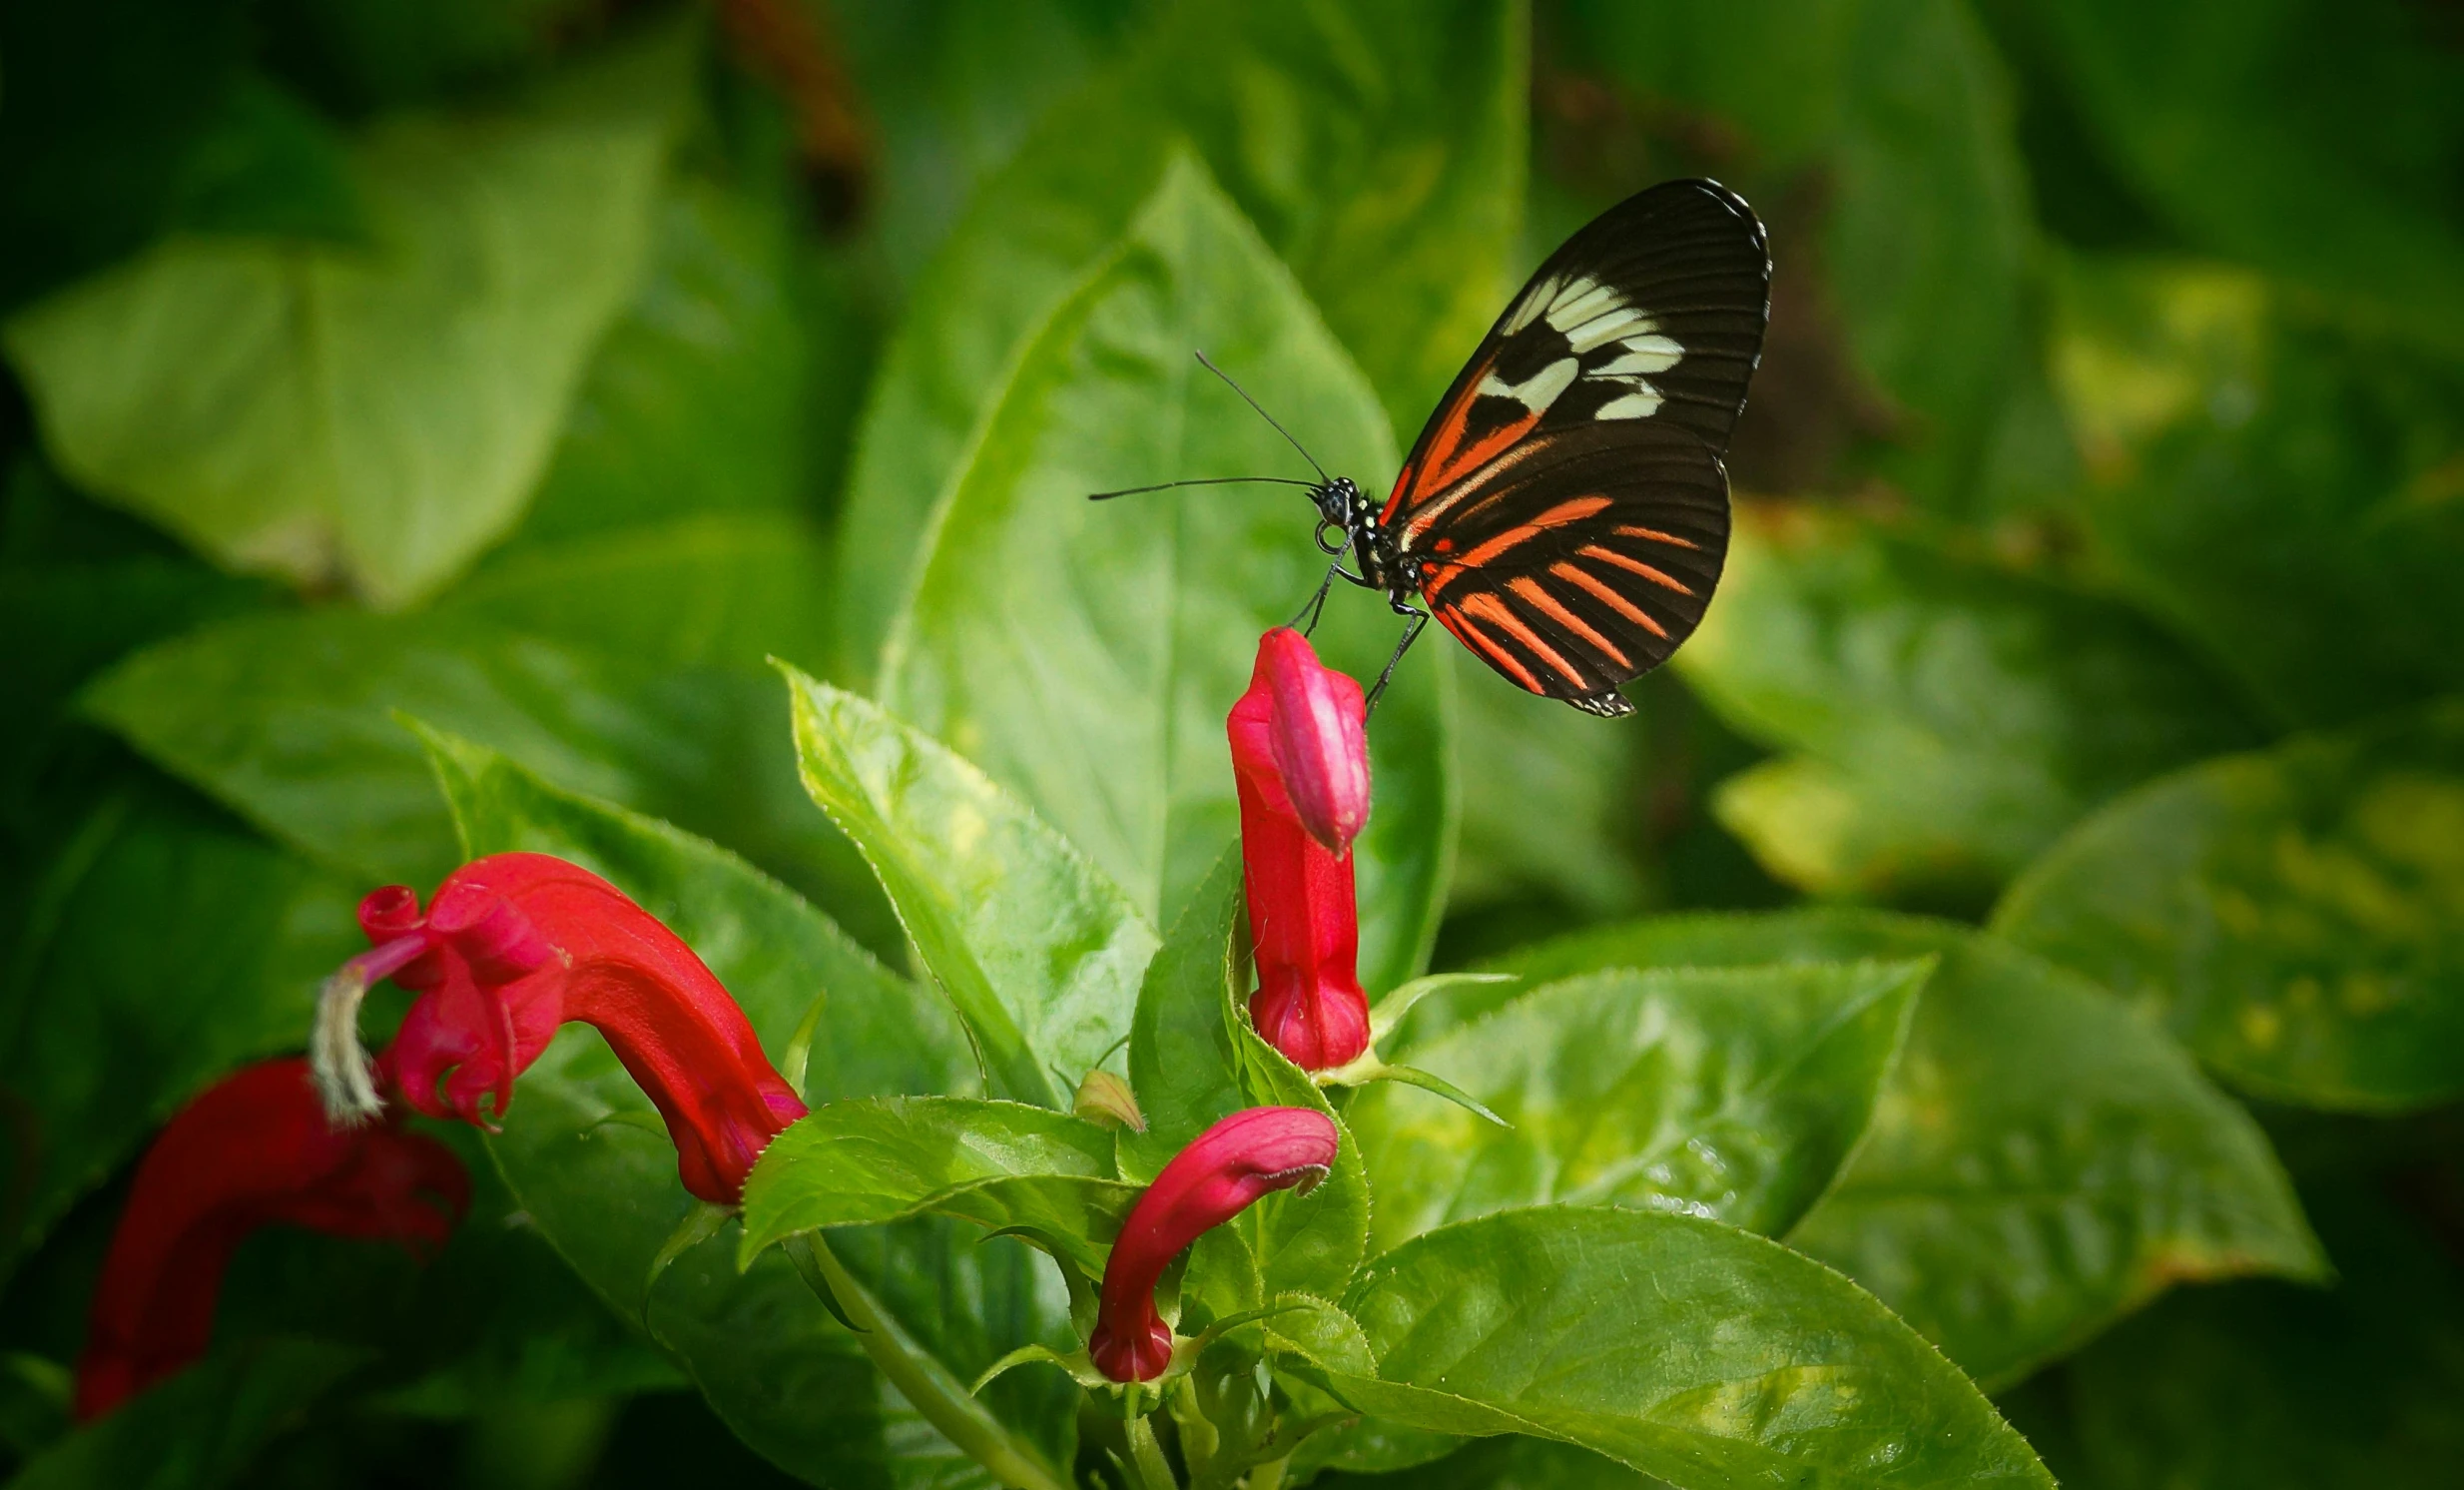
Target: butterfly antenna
1270	418
1097	496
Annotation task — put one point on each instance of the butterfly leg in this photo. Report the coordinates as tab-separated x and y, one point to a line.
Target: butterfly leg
1411	634
1316	607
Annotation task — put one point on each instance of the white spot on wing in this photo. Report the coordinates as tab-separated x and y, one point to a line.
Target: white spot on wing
1539	391
1642	403
1579	302
1645	354
1539	297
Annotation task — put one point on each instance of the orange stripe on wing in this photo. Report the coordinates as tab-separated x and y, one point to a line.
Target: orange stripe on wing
1656	536
1488	608
1536	594
1574	575
1481	554
1447	463
1487	649
1610	555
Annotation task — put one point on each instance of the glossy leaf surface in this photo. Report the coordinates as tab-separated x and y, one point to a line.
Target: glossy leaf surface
2041	1163
1739	1362
1734	1093
1378	144
1035	948
2292	915
1046	631
276	403
1953	719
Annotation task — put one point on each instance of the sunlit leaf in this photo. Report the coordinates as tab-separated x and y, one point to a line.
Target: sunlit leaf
1732	1093
1035	948
2296	916
1953	717
2041	1163
1085	654
1377	144
1739	1362
371	414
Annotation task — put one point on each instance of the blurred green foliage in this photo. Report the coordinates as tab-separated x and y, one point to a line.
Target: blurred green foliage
496	385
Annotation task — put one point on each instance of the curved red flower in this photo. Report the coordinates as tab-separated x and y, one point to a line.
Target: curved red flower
252	1151
1222	1172
516	945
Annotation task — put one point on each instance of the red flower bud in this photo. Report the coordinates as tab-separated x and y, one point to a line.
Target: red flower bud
1219	1175
517	944
1300	764
252	1151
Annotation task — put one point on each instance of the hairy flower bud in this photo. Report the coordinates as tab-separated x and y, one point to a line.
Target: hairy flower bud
1304	919
1220	1174
516	945
252	1151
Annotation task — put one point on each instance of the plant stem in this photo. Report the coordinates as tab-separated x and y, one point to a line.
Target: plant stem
1268	1476
928	1386
1144	1452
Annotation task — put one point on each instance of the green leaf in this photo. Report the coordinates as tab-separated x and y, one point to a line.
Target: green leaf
2293	914
201	1428
163	946
999	1165
291	720
2357	197
1734	1093
2041	1163
1035	948
1735	1362
2267	1387
370	415
1957	716
1551	806
2243	450
1905	110
1047	632
1378	144
785	1376
1182	1064
699	400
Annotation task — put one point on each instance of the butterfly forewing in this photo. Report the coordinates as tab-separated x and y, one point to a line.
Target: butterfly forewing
1565	510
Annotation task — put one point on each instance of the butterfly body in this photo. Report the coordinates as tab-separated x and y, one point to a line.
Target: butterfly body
1564	512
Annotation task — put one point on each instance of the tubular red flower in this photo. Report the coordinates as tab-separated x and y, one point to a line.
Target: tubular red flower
516	945
1300	765
254	1150
1220	1174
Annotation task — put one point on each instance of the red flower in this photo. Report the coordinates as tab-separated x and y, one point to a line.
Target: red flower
1300	762
254	1150
1219	1175
516	945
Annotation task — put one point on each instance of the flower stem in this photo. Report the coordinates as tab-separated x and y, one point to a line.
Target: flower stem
923	1381
1155	1473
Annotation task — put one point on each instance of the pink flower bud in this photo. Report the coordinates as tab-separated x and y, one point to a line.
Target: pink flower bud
252	1151
1304	919
516	945
1219	1175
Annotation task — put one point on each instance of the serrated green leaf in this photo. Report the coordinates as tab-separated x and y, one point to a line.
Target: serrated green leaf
785	1376
1735	1094
1687	1349
1957	717
331	412
999	1165
1047	632
1035	948
1378	144
2041	1163
2292	915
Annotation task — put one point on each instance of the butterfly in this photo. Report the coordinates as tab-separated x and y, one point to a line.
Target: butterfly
1564	513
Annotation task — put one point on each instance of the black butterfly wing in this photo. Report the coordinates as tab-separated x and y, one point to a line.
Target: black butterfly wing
1582	559
1592	418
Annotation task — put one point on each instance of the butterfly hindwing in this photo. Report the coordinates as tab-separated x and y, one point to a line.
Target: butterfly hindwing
1586	560
1565	509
